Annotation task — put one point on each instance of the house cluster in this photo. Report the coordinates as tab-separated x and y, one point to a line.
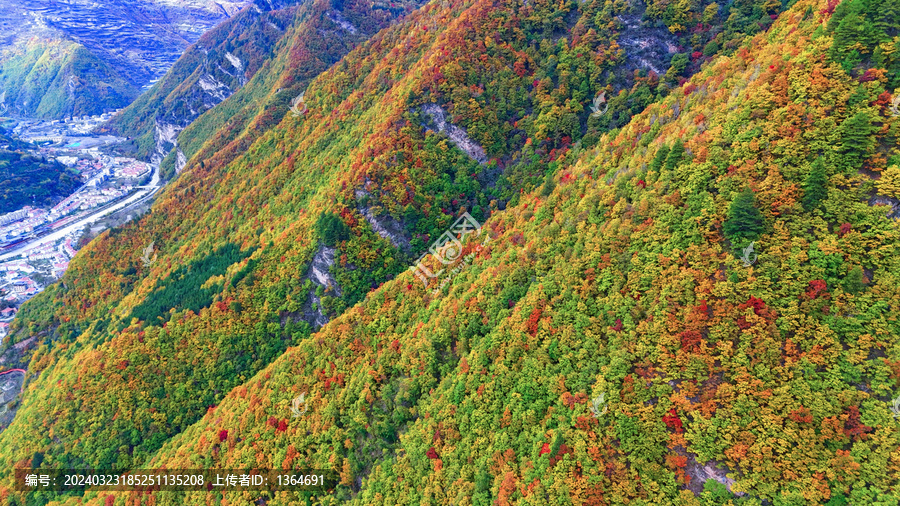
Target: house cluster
87	199
88	168
99	189
57	255
21	223
102	168
17	283
14	216
27	221
6	316
57	130
131	168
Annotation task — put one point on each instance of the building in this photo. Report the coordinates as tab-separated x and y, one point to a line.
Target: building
8	314
14	216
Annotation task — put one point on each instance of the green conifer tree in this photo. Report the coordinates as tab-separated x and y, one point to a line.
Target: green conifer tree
657	163
857	140
332	229
815	188
549	185
675	155
855	281
745	222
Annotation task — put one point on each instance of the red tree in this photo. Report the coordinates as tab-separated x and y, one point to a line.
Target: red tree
690	340
845	229
816	288
673	421
853	427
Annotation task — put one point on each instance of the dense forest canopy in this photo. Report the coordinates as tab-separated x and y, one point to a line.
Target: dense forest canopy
683	288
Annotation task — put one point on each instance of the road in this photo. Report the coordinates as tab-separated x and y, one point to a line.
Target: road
144	193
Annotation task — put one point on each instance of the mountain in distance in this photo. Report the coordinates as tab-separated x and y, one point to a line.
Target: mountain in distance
230	56
602	335
48	78
61	59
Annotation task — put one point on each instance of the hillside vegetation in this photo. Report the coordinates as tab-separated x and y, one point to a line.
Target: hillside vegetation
615	340
315	35
27	179
54	79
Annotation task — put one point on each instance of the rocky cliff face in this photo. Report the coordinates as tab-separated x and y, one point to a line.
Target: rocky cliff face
207	73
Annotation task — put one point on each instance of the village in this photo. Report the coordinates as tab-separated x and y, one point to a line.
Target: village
45	240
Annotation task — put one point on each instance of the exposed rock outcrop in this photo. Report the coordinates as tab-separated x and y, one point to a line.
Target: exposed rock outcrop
166	135
892	204
712	470
457	135
339	20
384	225
320	275
646	47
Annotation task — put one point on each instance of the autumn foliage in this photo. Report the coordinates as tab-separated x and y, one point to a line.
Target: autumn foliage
608	345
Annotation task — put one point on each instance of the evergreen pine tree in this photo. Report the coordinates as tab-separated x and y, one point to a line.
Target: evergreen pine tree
744	222
815	188
659	159
675	155
332	229
549	185
855	281
679	63
856	139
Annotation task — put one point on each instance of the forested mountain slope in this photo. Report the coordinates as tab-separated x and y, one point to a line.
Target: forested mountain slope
75	58
308	37
612	268
50	78
206	74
